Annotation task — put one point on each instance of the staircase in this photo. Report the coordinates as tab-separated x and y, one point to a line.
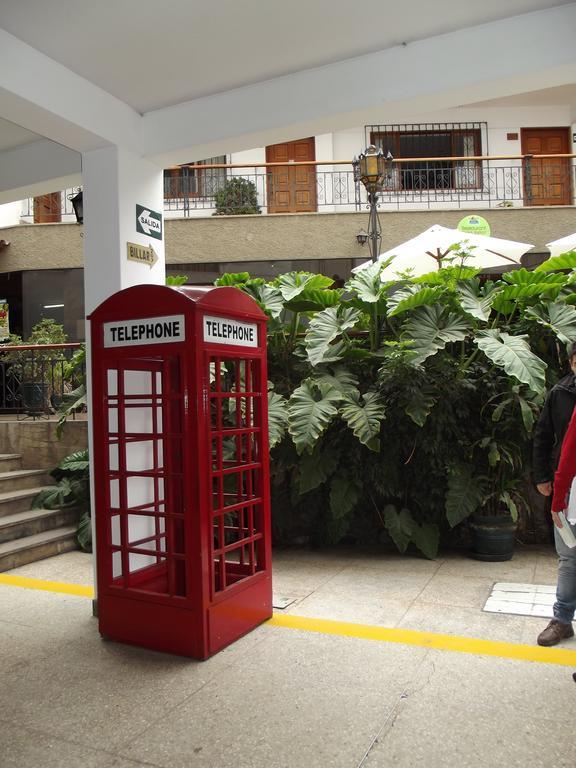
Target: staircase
26	534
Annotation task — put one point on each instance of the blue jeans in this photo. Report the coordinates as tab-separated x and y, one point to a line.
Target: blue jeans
565	604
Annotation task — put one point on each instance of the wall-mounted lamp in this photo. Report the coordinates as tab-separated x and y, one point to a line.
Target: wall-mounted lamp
78	205
4	244
362	237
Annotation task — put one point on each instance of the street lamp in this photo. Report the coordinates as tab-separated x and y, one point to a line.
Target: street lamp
371	168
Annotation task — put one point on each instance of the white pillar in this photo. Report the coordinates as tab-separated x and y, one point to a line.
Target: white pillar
115	182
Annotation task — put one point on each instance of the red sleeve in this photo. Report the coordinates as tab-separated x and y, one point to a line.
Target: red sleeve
566	467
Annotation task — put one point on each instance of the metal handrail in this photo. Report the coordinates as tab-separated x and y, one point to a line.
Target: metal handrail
418	183
296	163
34	381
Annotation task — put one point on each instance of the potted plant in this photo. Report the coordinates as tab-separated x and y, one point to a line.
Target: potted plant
489	487
237	196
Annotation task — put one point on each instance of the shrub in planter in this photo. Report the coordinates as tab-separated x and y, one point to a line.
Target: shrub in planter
237	196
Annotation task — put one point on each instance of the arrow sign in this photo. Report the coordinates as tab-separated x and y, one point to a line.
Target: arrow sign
141	254
148	222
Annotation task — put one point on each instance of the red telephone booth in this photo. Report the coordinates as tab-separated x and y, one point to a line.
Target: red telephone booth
182	506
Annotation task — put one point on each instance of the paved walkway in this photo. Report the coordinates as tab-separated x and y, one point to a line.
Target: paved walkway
379	661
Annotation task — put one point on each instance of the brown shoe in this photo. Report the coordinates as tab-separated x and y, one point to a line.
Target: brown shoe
555	632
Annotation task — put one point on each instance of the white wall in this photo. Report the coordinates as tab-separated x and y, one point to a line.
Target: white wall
10	214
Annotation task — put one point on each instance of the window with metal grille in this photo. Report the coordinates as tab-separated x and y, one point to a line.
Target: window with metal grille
424	147
187	181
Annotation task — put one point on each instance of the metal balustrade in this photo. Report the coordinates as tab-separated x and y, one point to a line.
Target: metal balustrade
413	184
33	378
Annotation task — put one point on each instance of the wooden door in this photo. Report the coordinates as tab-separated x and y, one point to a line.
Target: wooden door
291	190
47	208
546	182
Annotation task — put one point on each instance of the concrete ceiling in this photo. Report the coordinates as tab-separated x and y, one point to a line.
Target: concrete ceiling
183	80
151	55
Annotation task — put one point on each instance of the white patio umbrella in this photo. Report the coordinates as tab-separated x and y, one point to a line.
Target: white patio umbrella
428	251
562	245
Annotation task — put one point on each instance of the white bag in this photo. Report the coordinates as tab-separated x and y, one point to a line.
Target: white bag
566	532
571	508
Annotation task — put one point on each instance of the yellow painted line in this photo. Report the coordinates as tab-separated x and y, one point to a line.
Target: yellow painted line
427	640
46	586
439	642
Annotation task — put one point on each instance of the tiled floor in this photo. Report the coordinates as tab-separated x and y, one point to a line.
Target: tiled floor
286	698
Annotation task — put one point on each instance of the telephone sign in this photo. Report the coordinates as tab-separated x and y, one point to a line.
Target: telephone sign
223	330
151	330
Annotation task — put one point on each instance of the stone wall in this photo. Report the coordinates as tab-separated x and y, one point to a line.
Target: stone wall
280	236
36	440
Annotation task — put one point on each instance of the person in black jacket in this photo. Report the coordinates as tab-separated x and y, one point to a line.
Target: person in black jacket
548	436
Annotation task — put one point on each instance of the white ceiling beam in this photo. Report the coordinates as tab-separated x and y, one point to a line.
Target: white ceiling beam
47	98
518	54
36	169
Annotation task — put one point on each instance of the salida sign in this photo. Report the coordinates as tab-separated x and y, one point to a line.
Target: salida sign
148	222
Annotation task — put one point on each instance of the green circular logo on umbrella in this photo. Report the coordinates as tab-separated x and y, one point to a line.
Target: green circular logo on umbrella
474	224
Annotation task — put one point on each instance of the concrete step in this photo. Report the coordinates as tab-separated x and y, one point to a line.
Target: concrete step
19	552
13	502
18	479
33	521
10	461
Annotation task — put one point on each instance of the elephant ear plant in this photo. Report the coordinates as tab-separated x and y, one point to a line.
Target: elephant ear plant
403	407
72	490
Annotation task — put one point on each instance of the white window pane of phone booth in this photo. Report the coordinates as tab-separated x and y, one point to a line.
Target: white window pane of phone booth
146	535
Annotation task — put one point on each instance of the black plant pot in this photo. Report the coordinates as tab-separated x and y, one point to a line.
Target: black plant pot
492	537
34	397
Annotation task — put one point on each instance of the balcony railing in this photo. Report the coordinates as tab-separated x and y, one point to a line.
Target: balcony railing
412	183
34	379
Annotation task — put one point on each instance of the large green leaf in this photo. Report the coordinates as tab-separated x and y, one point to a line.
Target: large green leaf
344	495
525	291
324	328
564	261
431	328
268	297
475	300
316	467
510	504
75	462
533	277
364	419
464	495
420	298
419	405
340	378
232	278
315	300
277	417
292	284
56	497
513	354
403	529
427	539
310	411
558	317
396	297
84	532
366	284
399	525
